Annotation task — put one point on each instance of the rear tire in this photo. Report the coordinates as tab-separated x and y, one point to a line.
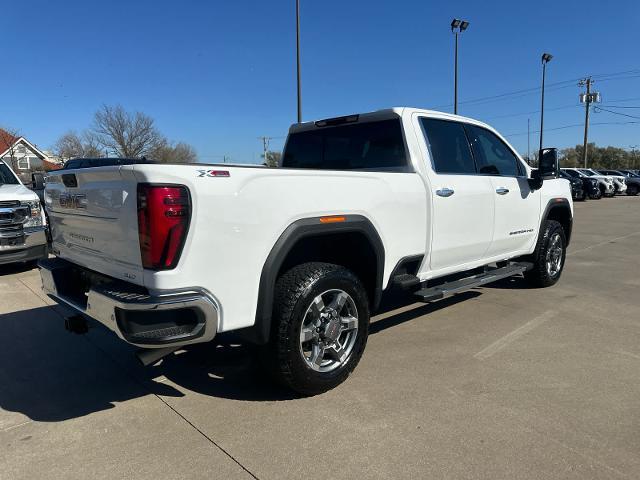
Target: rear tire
549	256
320	327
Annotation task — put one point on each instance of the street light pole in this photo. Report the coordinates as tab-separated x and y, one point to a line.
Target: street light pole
298	60
546	58
455	79
457	27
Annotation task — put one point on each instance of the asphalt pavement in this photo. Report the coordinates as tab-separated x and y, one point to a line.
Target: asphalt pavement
503	382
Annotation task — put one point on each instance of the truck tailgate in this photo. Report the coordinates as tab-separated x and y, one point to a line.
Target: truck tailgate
93	216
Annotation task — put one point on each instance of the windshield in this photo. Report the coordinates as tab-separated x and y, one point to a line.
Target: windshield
6	176
572	173
588	173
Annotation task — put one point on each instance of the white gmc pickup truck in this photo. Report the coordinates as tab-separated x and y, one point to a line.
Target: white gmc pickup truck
297	258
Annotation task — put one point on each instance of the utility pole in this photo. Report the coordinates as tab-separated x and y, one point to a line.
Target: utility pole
265	146
298	61
587	102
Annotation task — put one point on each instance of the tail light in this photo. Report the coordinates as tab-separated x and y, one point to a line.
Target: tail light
164	212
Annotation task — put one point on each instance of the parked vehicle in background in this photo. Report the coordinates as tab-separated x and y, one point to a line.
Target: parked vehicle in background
37	185
296	258
577	189
618	182
594	187
22	221
607	187
631	180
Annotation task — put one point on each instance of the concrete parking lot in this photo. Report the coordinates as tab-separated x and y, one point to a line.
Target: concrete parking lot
501	382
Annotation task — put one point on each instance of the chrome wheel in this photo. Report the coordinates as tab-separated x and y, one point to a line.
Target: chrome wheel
329	331
554	255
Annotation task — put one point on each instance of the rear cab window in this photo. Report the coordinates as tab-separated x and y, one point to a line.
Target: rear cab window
374	145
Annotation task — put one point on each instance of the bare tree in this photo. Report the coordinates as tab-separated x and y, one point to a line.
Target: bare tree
178	153
128	134
273	159
69	146
72	145
91	146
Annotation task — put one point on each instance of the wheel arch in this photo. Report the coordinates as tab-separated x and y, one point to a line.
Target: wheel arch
559	209
311	239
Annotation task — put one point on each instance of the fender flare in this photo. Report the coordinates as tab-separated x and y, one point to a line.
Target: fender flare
307	227
559	203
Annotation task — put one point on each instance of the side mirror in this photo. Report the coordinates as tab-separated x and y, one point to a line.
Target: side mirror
548	166
535	182
37	180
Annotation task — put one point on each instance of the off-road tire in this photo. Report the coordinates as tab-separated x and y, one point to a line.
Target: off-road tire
540	276
294	292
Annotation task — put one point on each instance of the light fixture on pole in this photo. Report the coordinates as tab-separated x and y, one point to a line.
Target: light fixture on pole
546	58
457	27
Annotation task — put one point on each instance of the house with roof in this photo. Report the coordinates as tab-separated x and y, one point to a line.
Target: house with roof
23	156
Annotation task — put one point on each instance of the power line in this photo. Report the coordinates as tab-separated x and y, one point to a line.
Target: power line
597	109
532	112
618	106
563	127
551	87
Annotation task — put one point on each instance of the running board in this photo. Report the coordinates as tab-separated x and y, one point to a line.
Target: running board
451	288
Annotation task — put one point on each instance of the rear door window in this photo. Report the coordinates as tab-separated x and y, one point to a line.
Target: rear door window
448	146
492	155
360	146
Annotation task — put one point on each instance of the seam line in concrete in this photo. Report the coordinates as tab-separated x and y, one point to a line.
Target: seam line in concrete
601	244
511	337
185	419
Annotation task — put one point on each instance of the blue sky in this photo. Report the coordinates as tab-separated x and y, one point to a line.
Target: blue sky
218	74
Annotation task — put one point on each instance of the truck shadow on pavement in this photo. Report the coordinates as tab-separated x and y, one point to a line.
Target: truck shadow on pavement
15	268
50	375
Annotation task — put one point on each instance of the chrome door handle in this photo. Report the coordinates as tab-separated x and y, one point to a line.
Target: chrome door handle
502	191
445	192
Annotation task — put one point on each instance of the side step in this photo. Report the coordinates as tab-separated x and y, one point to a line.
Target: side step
451	288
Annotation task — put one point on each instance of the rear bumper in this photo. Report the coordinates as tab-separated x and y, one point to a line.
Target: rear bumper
33	247
141	318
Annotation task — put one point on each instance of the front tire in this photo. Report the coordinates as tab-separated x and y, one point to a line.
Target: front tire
549	256
632	190
321	325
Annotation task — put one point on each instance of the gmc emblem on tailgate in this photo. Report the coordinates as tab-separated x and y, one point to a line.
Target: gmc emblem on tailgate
73	200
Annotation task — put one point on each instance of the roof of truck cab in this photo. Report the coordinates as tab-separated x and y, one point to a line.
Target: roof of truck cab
384	114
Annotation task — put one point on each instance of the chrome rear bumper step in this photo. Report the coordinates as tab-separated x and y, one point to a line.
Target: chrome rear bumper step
458	286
